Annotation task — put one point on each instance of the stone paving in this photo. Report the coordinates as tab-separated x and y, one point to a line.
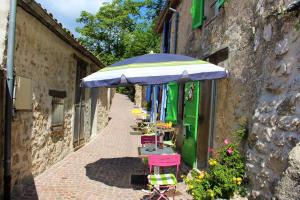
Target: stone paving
101	169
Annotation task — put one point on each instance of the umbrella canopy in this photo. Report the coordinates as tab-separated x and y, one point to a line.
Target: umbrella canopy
152	69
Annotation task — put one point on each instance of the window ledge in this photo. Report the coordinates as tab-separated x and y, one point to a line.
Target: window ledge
58	127
211	20
214	17
57	133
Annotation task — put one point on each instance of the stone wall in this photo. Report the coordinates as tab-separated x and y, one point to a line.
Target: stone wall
289	185
276	121
263	87
101	111
232	28
51	65
138	97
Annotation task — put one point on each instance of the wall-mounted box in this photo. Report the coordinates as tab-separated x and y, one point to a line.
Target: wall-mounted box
23	93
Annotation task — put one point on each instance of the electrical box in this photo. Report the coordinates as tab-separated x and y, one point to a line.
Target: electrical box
23	93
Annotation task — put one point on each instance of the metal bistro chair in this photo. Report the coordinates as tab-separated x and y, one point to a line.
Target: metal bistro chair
162	183
172	141
148	139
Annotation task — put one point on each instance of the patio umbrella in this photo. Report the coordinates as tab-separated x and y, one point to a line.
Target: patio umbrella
152	69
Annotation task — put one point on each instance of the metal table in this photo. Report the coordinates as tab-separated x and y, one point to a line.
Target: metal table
144	152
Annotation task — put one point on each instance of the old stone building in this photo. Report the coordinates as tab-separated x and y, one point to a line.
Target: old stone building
258	41
49	121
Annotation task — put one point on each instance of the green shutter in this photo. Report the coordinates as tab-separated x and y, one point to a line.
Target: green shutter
172	102
220	3
197	12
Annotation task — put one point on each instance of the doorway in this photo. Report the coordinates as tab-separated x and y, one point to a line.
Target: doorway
206	109
79	104
94	93
190	121
203	139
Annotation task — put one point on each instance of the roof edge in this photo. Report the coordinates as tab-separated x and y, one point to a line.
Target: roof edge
165	14
36	10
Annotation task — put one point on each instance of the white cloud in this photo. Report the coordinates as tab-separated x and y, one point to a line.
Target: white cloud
66	11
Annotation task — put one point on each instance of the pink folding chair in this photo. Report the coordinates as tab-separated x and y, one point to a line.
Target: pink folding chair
165	182
168	160
148	139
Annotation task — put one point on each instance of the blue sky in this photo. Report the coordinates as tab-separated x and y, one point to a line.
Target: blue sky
66	11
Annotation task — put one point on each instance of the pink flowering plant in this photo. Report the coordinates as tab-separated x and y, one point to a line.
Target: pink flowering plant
223	177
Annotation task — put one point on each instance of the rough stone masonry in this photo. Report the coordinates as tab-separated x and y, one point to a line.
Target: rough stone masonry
48	58
263	58
272	162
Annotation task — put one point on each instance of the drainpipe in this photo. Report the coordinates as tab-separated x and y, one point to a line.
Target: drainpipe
80	110
212	116
9	98
176	28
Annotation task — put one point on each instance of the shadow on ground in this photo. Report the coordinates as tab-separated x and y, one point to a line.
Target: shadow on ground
25	190
116	171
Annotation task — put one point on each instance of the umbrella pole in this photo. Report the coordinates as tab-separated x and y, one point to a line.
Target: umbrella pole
154	115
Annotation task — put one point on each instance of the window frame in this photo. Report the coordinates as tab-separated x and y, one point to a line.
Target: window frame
57	101
201	20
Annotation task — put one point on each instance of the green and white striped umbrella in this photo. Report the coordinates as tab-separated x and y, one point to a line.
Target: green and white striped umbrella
151	69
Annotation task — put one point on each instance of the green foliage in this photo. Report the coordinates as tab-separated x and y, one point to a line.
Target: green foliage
120	29
148	106
240	134
141	41
121	90
129	91
223	177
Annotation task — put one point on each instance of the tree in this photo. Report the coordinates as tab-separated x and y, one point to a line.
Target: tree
120	29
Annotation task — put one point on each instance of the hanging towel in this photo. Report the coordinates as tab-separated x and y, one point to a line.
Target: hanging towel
156	90
148	94
163	103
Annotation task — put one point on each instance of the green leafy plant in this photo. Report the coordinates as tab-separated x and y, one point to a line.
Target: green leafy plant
129	91
223	178
120	29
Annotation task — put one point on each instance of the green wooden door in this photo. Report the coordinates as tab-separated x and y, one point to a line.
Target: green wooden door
190	120
172	103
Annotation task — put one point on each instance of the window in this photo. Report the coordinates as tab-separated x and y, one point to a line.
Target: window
167	35
57	113
211	9
204	10
221	3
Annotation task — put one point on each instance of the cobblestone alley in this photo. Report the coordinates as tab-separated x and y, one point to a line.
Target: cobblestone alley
101	169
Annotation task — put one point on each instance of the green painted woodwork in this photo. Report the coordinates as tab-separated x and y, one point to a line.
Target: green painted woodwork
220	3
188	152
190	120
172	103
197	12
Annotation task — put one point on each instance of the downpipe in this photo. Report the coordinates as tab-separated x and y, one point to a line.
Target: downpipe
9	99
176	29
